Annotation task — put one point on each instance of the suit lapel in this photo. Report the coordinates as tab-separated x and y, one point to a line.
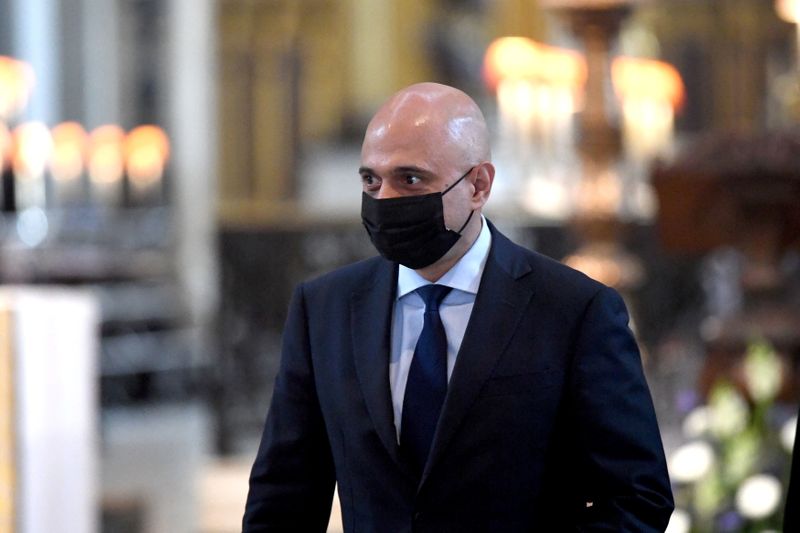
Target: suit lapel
499	306
370	326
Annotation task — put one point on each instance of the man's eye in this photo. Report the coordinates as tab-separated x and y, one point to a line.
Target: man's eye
367	179
410	179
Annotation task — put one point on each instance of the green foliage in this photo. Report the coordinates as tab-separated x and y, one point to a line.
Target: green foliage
731	474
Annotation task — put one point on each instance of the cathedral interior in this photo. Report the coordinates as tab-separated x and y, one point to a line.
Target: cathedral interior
171	169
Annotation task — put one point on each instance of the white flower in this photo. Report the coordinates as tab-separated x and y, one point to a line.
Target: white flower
729	411
762	372
788	432
697	423
758	496
679	522
691	462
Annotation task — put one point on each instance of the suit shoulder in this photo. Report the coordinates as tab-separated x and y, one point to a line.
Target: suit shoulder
512	256
545	273
562	283
563	289
563	275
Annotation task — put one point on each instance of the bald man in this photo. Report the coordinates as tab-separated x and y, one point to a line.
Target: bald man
456	382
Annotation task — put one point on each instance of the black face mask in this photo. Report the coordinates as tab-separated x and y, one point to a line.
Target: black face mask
410	229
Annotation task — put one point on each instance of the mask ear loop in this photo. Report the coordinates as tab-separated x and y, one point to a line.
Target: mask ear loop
467	222
453	185
458	181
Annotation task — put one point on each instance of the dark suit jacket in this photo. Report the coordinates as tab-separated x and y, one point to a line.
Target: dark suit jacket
548	424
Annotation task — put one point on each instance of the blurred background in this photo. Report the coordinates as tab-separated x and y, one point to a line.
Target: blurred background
171	168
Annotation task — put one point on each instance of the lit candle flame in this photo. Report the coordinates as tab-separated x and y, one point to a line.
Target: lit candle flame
636	78
34	144
649	91
69	150
788	10
16	83
146	151
516	58
106	163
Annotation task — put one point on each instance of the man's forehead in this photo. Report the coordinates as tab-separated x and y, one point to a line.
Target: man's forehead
383	157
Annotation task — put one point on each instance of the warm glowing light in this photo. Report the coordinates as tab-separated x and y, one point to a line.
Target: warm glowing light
16	83
788	10
647	79
34	144
600	268
607	264
565	68
600	195
106	162
146	151
510	58
6	147
516	58
69	149
650	92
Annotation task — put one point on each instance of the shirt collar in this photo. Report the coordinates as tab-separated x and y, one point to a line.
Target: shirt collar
465	274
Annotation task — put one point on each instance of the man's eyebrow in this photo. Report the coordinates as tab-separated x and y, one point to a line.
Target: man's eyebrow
411	168
397	170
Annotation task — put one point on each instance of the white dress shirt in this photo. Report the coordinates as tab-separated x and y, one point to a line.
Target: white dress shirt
455	310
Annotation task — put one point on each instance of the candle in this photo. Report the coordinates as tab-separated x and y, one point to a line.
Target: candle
146	153
33	146
16	82
66	163
650	90
106	165
536	88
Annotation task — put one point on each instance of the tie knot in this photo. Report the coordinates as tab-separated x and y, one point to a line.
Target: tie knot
433	295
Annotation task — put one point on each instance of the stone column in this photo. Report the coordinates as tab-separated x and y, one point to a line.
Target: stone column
191	121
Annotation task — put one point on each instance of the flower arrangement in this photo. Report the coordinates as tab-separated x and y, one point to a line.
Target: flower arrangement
731	474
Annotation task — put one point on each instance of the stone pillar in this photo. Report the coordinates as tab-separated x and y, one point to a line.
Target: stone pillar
191	121
35	39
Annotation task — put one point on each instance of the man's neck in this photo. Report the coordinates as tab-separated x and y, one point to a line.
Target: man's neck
469	235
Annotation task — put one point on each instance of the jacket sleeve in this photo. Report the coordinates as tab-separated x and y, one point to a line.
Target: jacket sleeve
292	479
626	483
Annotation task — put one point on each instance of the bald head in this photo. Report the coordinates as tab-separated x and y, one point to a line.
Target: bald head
430	138
432	115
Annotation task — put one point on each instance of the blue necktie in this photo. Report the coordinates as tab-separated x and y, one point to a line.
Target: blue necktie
427	381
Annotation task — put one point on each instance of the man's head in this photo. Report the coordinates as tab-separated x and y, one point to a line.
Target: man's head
423	139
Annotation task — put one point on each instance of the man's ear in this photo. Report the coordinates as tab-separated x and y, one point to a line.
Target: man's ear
482	184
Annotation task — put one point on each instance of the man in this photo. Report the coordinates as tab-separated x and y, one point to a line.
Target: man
458	383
